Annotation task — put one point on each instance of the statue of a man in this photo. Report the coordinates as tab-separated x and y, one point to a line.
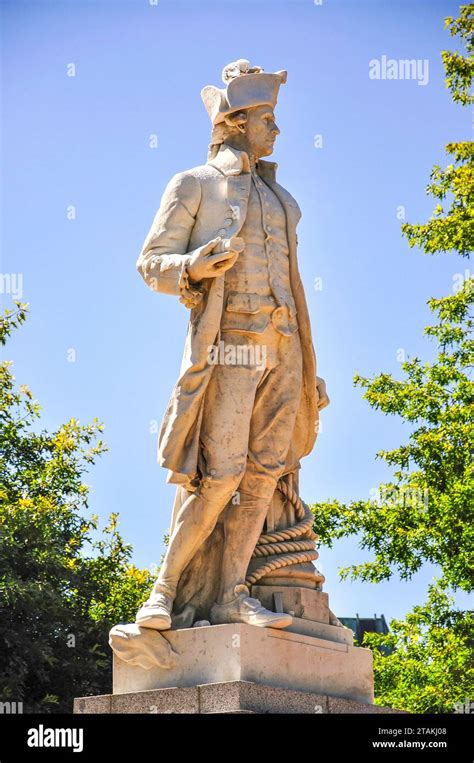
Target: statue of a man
245	408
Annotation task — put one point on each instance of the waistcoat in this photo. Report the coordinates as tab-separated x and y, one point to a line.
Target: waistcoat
257	288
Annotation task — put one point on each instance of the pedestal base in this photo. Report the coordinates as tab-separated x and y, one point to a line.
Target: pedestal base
233	697
311	666
238	652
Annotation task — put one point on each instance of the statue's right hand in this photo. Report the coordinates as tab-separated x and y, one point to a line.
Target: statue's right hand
214	258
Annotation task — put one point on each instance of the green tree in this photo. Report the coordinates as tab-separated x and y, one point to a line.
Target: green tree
431	662
62	583
425	513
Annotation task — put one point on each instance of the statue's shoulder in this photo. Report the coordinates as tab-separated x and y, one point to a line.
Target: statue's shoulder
191	180
201	172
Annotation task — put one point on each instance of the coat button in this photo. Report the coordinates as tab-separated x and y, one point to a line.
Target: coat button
228	221
221	231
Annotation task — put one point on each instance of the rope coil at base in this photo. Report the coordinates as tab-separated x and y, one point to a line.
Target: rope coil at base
294	545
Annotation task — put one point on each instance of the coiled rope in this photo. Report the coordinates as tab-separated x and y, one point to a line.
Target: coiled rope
294	545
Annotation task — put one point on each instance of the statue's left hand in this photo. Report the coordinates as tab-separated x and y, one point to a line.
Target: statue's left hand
323	399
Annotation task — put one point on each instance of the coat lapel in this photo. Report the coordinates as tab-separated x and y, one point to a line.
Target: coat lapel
267	171
238	192
234	165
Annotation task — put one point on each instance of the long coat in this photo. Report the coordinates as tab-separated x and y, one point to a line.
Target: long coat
198	205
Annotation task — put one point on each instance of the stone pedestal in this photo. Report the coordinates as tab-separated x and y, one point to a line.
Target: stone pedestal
312	663
233	697
279	658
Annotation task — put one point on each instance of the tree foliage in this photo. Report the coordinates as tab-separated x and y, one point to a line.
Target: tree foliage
425	513
452	229
430	667
459	66
62	583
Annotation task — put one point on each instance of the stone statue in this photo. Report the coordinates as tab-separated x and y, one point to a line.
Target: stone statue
245	408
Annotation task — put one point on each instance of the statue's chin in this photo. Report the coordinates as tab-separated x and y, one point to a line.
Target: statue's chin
265	152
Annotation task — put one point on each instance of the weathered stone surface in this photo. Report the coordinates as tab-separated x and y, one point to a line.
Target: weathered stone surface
300	602
224	243
232	697
143	647
241	416
321	630
257	698
100	704
267	656
340	705
173	700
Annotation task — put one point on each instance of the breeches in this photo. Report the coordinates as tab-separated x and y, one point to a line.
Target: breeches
249	414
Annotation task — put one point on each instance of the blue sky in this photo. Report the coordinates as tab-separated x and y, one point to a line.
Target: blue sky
84	142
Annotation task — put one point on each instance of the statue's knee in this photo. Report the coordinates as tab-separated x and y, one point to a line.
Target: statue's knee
258	488
215	488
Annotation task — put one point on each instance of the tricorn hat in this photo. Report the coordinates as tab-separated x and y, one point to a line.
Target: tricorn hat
247	86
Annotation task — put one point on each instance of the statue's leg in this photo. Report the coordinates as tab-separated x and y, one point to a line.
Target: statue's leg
224	440
243	525
273	418
195	521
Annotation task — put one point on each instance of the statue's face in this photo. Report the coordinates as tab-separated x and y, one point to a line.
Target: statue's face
261	130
